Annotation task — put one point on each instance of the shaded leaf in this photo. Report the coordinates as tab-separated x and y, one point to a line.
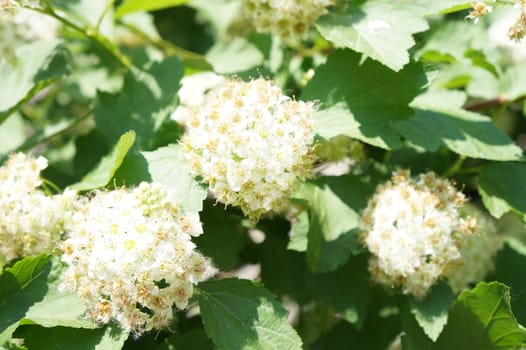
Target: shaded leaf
224	236
147	98
333	228
345	289
240	314
108	165
502	188
437	124
365	107
62	338
431	313
29	295
283	271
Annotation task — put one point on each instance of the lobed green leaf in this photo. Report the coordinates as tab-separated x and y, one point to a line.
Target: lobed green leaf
240	314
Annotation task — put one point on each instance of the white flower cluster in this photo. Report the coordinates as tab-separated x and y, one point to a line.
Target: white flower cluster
31	222
478	252
19	26
194	93
130	257
251	144
413	228
288	19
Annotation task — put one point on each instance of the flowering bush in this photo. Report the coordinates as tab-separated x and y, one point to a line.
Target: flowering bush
273	174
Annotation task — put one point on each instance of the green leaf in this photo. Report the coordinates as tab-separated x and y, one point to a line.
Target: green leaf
225	236
380	29
436	124
299	232
502	188
167	166
236	56
506	271
29	295
338	120
332	239
283	271
431	313
365	109
62	338
37	65
12	133
345	289
195	339
482	319
240	314
512	86
147	98
129	6
104	171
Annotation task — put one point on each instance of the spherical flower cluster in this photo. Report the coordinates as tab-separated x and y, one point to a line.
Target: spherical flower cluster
413	228
31	222
251	144
288	19
19	26
130	257
194	93
478	252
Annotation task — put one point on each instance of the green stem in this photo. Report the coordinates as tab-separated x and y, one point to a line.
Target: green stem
92	34
33	142
108	6
46	184
455	167
167	47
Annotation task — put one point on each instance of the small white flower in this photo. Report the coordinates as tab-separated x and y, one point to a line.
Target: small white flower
414	229
20	26
251	144
31	222
130	257
478	252
193	94
289	19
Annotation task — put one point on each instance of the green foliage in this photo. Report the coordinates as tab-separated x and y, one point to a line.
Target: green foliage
145	101
333	233
362	105
239	314
431	313
502	194
480	318
379	29
61	338
129	6
397	85
101	175
29	295
36	66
